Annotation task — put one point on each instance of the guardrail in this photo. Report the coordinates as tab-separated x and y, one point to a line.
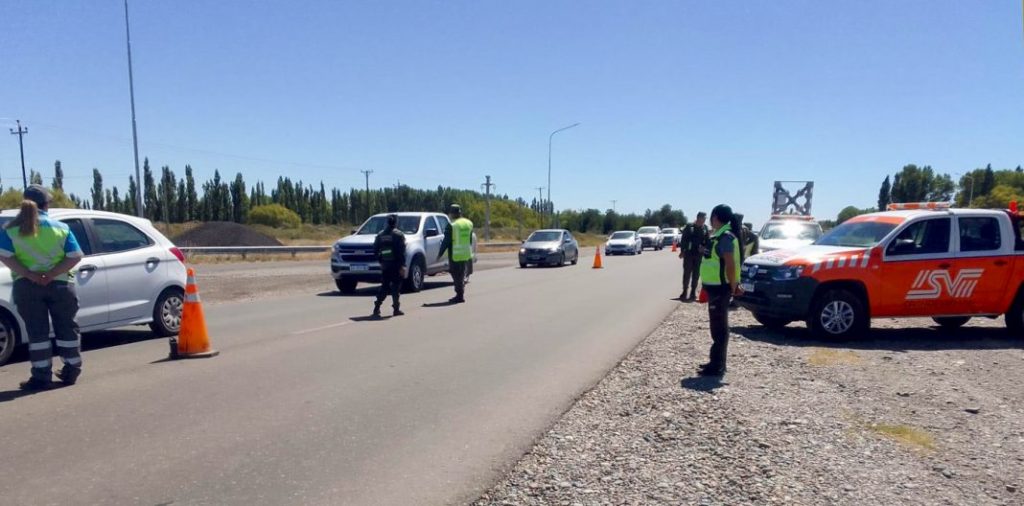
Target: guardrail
245	251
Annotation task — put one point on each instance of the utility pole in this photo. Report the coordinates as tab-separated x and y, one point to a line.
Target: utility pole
487	216
135	133
367	174
540	203
20	132
613	204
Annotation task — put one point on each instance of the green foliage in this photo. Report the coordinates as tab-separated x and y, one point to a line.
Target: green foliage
885	194
274	215
920	184
851	211
12	197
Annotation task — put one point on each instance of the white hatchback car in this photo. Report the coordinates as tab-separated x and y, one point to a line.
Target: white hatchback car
131	275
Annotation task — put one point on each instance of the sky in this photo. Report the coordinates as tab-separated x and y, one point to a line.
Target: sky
690	103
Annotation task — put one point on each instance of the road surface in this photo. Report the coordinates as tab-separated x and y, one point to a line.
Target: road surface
307	404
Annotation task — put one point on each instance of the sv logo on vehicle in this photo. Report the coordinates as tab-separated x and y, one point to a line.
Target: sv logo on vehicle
930	284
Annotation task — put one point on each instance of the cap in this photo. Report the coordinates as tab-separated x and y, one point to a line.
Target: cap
456	208
38	194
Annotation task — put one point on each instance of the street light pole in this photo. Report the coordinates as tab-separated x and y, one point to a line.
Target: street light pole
550	138
135	133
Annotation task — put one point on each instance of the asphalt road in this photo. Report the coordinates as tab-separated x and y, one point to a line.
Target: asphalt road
306	405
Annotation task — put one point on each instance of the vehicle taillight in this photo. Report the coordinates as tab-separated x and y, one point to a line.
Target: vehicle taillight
178	254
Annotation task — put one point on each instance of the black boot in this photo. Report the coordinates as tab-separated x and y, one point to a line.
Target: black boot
376	310
35	384
397	312
69	375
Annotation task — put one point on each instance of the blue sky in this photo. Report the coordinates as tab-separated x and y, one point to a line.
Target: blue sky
686	103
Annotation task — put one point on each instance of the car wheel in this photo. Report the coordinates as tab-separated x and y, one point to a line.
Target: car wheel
414	283
771	322
523	265
838	315
576	258
1015	317
8	338
561	260
167	312
346	286
951	322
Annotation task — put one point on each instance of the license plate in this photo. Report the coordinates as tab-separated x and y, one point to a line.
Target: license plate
747	287
360	268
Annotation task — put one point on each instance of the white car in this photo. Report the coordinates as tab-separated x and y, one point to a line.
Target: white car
130	275
783	232
671	236
623	242
651	237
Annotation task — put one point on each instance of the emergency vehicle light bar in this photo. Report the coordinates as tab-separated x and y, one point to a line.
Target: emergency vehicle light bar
909	206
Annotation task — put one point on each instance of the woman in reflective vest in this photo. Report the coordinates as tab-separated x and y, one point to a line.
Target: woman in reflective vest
720	275
41	253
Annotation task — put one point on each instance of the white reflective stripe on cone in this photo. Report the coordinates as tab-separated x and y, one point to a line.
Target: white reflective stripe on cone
191	297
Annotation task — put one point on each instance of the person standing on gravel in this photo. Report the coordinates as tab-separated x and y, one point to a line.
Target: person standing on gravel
692	242
41	253
720	275
458	243
389	246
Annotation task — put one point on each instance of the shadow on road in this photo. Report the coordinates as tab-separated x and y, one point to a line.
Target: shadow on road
702	383
96	341
371	290
370	318
897	340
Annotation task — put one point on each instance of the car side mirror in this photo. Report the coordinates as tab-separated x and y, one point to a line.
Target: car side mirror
903	246
354	231
431	233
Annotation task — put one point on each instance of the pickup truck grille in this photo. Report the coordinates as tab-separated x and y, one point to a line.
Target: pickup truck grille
357	255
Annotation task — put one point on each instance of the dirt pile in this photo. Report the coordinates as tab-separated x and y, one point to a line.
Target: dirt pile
223	233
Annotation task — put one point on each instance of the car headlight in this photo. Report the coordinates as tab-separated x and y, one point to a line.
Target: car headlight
553	249
522	251
786	273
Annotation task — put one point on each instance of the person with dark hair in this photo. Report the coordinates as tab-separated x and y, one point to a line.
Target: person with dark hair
41	252
720	275
458	243
389	246
751	244
692	242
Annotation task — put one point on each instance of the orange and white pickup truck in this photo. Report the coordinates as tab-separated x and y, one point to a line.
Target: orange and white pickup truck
911	261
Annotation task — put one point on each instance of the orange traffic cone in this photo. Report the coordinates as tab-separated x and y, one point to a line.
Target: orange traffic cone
703	297
597	259
674	247
193	342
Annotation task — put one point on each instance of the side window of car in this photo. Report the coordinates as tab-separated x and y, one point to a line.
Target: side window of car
430	227
116	236
928	237
78	229
443	223
980	234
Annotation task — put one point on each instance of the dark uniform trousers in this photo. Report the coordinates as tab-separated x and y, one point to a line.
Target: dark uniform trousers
691	271
718	315
458	272
390	284
37	305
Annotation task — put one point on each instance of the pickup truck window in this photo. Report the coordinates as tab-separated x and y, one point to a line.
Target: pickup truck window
407	224
928	237
980	234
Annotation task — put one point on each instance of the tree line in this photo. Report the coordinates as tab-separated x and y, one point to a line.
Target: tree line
166	197
979	188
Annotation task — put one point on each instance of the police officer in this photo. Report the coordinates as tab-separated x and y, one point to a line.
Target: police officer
692	242
458	242
720	275
389	246
41	253
750	241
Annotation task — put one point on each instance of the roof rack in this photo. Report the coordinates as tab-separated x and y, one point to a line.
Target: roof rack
910	206
792	217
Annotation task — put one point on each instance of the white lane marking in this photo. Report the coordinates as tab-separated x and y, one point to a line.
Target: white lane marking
318	329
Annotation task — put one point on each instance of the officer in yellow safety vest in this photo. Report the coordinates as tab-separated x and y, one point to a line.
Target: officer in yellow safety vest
41	252
458	243
720	275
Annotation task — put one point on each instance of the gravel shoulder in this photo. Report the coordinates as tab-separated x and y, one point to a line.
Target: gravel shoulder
911	415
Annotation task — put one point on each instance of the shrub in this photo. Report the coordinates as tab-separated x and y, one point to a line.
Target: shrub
274	215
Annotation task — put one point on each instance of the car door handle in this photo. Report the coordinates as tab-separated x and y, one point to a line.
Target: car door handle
87	268
944	266
152	260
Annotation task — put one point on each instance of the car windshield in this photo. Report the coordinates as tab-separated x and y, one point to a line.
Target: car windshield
672	231
545	236
791	230
4	220
861	234
649	230
622	235
373	226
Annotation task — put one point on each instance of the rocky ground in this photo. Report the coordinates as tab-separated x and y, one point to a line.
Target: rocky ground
912	415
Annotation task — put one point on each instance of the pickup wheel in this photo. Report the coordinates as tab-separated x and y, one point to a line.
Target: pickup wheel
772	322
838	315
1015	316
414	283
951	322
8	337
523	265
346	286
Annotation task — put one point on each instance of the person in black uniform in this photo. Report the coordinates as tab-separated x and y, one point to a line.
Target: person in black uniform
692	243
389	246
